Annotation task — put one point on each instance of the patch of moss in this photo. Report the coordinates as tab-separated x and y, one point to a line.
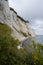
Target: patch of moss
4	29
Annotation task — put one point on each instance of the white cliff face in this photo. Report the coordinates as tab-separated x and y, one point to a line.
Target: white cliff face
1	13
22	26
4	11
30	31
20	29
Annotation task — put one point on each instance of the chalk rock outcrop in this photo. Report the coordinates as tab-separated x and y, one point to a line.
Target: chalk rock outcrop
20	28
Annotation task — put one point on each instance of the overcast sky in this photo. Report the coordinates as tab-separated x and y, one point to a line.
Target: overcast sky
31	10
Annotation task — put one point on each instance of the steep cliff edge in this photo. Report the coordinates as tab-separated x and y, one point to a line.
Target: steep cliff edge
20	28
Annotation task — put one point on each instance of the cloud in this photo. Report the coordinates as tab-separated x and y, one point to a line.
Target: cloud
38	27
39	32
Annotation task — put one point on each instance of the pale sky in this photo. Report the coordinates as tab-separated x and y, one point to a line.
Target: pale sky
31	10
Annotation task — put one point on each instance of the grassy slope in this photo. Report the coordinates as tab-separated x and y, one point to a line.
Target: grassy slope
10	55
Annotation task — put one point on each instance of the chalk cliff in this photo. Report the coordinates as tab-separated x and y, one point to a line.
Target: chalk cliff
20	27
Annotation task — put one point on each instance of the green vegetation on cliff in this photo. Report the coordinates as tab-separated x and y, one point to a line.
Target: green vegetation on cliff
10	55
